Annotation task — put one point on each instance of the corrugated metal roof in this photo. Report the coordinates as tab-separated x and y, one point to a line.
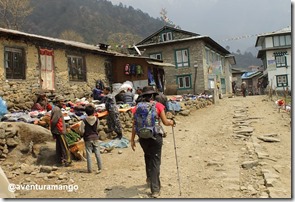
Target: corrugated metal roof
249	75
61	41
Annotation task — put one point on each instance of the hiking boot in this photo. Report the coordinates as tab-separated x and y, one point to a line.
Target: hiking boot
165	134
98	172
155	194
67	164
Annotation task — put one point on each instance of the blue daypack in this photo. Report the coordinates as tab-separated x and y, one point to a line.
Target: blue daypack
146	120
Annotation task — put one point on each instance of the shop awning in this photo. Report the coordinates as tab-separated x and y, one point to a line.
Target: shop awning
162	64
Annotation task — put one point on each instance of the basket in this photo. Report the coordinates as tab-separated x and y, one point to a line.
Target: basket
77	146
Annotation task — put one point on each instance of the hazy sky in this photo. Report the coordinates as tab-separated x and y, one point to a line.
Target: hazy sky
222	20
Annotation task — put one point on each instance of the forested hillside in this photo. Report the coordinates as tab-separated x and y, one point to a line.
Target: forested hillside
94	20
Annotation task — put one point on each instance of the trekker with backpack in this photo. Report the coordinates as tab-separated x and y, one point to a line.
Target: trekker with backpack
147	115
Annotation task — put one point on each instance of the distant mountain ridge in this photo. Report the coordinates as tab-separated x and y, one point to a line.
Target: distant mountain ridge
246	60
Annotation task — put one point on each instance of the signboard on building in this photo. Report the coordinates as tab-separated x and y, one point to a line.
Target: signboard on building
271	65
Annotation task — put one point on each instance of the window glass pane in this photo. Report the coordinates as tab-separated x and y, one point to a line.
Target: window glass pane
187	82
185	56
178	57
156	56
169	36
279	79
288	40
77	71
276	41
207	56
153	56
281	61
180	82
282	41
14	67
164	37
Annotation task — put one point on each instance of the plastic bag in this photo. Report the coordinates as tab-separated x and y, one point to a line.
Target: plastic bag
3	107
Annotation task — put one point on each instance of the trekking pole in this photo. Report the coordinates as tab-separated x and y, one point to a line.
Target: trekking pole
176	161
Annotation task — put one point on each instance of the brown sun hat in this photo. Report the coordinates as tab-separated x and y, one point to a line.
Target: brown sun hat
59	98
148	90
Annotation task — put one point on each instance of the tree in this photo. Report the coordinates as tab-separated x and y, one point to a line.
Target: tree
14	12
71	35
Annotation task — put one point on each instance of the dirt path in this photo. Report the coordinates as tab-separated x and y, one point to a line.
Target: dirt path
210	152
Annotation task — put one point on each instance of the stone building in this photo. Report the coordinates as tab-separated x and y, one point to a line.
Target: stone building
31	62
199	61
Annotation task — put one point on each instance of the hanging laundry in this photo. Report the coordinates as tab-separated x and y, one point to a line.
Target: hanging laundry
133	69
127	69
151	78
160	86
139	70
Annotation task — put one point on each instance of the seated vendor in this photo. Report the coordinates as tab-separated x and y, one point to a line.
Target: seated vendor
97	93
41	103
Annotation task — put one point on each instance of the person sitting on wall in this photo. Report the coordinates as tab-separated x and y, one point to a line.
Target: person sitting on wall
97	93
41	103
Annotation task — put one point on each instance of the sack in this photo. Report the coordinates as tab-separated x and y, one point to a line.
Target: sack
145	119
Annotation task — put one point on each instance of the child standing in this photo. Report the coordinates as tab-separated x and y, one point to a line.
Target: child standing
88	129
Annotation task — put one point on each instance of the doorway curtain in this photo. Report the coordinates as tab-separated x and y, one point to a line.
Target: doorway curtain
47	69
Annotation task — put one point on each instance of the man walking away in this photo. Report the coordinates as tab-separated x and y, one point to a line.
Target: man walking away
244	88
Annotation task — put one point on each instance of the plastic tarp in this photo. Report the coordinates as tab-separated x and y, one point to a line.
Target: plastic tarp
3	107
124	86
116	143
249	75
